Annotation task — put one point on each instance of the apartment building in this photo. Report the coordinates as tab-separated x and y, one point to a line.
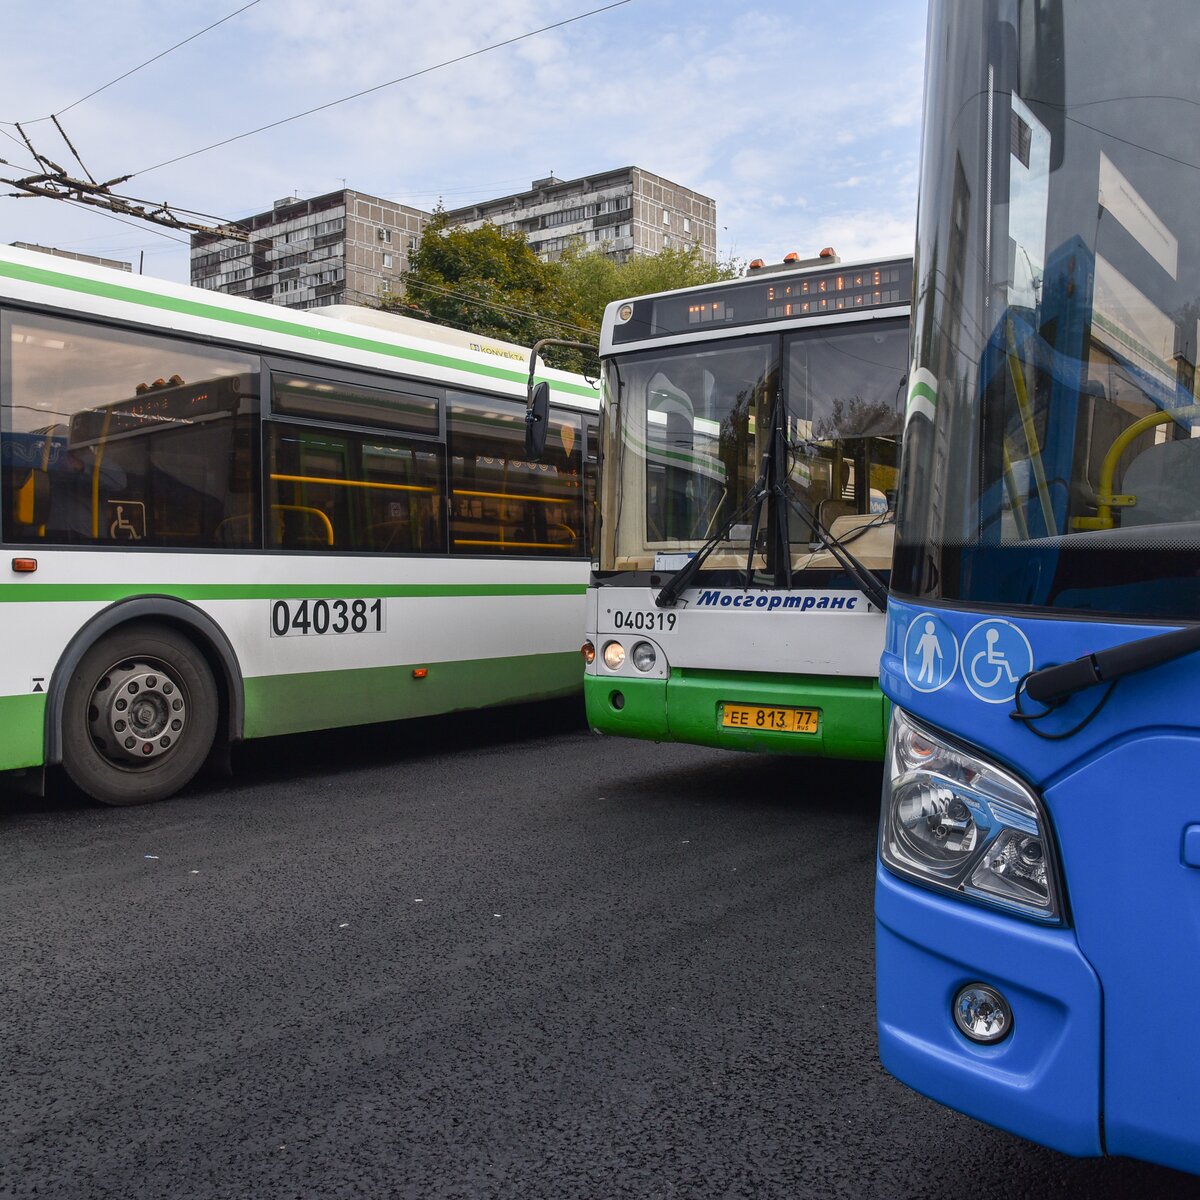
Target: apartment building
344	247
624	212
348	247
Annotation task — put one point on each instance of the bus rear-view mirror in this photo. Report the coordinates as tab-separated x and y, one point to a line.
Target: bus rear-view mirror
537	421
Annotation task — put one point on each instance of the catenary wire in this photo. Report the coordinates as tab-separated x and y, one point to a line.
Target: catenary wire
134	70
380	86
519	312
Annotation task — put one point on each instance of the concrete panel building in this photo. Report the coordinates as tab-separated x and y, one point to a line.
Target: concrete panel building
623	212
349	248
340	248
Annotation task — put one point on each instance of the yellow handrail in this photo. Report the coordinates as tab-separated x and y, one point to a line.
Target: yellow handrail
1106	500
312	512
100	444
512	496
1031	441
358	483
1014	495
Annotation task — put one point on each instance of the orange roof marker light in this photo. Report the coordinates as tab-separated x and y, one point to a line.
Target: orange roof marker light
757	265
828	252
793	257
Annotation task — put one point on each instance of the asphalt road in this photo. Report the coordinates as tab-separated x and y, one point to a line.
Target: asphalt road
493	956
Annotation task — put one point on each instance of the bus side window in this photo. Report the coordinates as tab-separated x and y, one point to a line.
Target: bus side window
119	436
500	502
335	489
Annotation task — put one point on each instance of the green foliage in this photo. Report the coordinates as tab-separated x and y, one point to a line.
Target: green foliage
594	280
483	280
491	283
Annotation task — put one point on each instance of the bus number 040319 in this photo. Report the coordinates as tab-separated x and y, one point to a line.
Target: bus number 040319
298	617
643	620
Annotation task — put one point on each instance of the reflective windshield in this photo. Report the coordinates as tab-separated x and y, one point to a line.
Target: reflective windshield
1052	450
687	432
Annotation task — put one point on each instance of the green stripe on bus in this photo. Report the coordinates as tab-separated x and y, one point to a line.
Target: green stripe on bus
29	593
278	704
22	718
213	312
924	390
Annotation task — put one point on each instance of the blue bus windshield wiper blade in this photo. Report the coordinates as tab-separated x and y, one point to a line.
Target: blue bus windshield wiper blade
1050	685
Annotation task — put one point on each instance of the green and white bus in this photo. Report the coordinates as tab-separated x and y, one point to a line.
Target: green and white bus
225	520
750	433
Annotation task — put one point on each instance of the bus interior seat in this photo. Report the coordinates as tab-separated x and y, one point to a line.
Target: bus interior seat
32	493
235	530
834	508
1165	479
300	527
873	547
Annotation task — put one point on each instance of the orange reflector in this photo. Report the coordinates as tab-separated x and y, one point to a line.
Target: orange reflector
420	672
24	564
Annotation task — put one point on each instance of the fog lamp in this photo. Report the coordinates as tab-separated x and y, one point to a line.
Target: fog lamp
982	1013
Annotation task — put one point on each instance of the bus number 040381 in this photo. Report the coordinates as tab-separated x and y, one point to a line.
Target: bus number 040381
298	617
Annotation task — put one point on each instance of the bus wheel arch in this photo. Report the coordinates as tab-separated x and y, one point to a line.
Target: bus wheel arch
198	664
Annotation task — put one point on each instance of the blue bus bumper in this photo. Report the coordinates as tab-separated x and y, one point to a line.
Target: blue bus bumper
1043	1081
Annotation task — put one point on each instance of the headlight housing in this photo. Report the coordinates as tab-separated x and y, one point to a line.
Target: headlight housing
614	656
644	656
954	821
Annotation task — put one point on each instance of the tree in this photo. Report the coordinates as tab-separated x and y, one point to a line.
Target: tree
482	280
490	282
592	280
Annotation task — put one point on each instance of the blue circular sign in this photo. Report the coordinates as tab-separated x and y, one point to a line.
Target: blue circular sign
995	655
930	653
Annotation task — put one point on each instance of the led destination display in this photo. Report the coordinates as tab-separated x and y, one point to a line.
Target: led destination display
778	296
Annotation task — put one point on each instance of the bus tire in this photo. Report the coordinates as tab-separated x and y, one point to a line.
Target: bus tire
139	715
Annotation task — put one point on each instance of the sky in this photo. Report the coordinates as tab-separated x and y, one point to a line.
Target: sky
801	119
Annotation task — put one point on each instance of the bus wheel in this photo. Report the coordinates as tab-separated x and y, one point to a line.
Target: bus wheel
139	716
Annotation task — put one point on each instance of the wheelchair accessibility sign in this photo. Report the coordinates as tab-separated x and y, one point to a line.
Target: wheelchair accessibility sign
995	655
930	653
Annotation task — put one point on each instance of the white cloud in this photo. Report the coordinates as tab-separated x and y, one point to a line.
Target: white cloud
777	110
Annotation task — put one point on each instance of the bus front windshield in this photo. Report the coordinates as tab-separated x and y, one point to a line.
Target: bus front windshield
1052	452
687	432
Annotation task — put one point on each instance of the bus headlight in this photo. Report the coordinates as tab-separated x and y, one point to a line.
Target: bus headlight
644	657
955	821
614	656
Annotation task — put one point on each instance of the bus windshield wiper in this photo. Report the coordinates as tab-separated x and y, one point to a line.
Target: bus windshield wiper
1052	685
866	580
674	586
773	481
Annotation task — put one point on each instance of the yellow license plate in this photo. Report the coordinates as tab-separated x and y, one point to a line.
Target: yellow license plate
782	720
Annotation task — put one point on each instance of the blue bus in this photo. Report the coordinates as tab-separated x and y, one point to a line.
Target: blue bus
1038	885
